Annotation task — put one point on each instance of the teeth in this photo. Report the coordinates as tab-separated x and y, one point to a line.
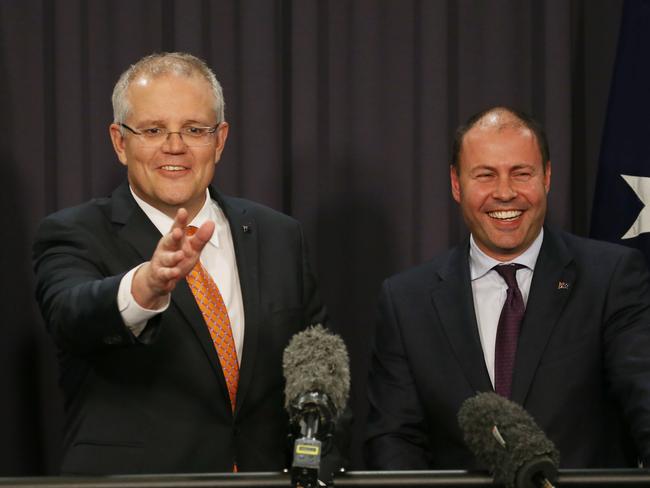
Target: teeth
505	214
170	167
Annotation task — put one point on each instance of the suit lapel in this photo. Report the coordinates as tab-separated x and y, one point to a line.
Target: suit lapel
552	284
137	230
184	301
245	235
143	236
452	298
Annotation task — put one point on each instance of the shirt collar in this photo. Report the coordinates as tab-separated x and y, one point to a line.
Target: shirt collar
480	263
209	211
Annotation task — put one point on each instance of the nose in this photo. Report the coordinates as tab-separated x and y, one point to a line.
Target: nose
504	189
174	143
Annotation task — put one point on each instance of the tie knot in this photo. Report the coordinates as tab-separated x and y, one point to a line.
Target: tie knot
508	272
190	230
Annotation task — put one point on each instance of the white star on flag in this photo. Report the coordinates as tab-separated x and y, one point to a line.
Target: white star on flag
641	186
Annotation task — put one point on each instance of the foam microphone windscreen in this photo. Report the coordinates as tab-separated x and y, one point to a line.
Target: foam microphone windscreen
504	437
316	360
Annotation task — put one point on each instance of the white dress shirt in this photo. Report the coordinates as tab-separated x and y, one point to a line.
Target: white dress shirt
217	257
489	291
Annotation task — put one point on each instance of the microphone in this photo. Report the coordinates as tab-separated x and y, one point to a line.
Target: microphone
317	373
504	437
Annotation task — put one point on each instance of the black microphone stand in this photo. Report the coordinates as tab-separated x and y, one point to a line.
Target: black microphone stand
314	413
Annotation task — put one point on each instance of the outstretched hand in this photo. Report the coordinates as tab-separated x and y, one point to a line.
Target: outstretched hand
174	257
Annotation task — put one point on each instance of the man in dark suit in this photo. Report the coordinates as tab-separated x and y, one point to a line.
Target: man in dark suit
579	360
154	381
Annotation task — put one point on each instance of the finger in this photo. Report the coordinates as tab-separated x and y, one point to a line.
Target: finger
180	220
202	236
158	279
169	259
166	278
172	241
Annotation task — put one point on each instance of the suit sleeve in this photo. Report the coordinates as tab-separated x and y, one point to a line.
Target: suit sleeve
76	294
396	432
627	346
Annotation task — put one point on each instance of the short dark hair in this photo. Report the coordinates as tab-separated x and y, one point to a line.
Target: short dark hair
526	121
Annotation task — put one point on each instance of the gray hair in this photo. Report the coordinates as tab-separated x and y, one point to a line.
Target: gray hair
159	64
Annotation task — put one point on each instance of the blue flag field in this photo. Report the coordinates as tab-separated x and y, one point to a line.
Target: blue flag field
621	210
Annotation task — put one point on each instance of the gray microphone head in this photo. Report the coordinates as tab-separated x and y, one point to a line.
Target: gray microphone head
316	361
504	437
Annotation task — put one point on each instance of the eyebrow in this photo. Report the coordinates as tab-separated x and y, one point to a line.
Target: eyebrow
151	122
524	165
159	122
521	165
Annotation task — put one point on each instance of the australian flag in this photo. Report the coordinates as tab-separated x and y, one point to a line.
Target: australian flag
621	211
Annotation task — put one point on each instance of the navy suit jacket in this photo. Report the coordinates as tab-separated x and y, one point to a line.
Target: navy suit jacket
582	367
158	403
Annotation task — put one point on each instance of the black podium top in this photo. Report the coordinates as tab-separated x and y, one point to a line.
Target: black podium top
365	479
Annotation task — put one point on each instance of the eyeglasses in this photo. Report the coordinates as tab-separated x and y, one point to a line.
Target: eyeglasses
192	136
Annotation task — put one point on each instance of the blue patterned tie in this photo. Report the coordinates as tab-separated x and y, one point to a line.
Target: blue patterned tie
512	314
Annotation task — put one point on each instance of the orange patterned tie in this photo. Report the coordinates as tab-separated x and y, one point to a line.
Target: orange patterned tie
208	298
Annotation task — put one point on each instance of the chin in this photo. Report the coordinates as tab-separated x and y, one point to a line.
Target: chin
507	247
175	199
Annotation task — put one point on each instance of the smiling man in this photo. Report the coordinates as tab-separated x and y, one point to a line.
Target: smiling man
557	323
170	303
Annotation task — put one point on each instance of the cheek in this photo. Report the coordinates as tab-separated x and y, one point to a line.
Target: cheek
537	196
207	171
473	209
138	160
476	198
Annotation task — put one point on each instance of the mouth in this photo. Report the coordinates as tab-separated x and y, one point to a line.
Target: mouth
173	167
505	215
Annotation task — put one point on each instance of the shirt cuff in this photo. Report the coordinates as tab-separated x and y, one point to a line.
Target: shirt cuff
134	316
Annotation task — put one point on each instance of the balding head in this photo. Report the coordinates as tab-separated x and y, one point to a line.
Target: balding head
499	119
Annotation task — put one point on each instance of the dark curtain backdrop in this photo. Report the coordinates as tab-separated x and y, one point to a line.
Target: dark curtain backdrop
341	115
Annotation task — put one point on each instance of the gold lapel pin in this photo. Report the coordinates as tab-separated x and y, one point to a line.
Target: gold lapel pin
562	285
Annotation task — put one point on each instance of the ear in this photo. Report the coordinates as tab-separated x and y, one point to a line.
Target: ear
547	177
455	183
221	135
118	142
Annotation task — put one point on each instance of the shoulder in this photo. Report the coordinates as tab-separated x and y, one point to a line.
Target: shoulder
75	229
89	215
255	208
264	216
597	264
589	251
427	274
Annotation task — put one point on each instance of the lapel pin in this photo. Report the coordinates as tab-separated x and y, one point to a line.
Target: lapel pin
562	285
246	228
